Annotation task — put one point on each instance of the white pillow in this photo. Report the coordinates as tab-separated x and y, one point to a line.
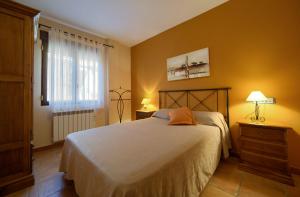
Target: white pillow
200	117
162	113
207	118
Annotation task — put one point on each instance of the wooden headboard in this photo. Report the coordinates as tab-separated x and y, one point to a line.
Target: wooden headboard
210	99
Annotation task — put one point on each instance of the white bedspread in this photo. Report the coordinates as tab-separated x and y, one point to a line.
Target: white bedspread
142	158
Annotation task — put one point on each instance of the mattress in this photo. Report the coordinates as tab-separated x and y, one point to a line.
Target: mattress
142	158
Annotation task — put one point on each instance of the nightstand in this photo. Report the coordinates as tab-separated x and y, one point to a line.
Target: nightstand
141	114
263	150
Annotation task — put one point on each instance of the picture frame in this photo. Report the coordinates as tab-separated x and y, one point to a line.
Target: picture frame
189	65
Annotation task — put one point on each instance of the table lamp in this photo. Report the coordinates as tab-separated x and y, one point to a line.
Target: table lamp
256	96
145	102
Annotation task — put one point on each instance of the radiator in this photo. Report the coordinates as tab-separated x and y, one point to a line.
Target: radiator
73	121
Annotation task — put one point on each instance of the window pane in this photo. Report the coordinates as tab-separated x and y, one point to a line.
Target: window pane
73	73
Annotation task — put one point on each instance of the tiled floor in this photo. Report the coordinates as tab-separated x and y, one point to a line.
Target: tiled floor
228	181
48	181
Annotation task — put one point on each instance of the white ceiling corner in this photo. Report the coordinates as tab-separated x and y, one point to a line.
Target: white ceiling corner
127	21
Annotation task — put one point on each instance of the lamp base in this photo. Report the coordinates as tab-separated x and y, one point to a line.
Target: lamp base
257	118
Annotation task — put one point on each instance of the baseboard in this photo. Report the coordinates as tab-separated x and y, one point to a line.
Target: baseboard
295	170
17	184
54	145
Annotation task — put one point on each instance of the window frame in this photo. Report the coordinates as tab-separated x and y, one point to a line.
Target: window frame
44	37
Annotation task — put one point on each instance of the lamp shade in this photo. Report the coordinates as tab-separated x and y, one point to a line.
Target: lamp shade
256	96
145	101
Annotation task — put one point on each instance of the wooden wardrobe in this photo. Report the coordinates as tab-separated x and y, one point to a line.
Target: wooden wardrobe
16	67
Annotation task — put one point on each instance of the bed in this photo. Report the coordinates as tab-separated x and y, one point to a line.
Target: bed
147	157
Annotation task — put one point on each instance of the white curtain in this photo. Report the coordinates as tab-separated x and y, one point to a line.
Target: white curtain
76	77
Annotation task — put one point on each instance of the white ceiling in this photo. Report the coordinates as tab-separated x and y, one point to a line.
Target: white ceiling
127	21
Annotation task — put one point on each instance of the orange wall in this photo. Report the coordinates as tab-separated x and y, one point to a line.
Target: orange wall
254	44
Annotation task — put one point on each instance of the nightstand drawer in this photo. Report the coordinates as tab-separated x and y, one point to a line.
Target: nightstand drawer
267	134
265	161
261	147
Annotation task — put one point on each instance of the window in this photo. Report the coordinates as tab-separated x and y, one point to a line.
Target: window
74	72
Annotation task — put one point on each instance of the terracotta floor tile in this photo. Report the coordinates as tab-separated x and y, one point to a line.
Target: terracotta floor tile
257	186
21	193
52	184
212	191
227	177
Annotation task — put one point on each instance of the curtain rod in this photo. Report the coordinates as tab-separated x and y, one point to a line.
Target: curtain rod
49	27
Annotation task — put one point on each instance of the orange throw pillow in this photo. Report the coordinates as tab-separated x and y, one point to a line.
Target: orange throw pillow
181	116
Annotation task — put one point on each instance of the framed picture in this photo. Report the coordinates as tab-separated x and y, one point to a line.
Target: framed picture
190	65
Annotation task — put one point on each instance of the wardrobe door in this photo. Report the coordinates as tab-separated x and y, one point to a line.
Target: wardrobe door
16	55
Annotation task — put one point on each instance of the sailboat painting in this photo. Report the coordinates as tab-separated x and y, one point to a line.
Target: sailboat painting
190	65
